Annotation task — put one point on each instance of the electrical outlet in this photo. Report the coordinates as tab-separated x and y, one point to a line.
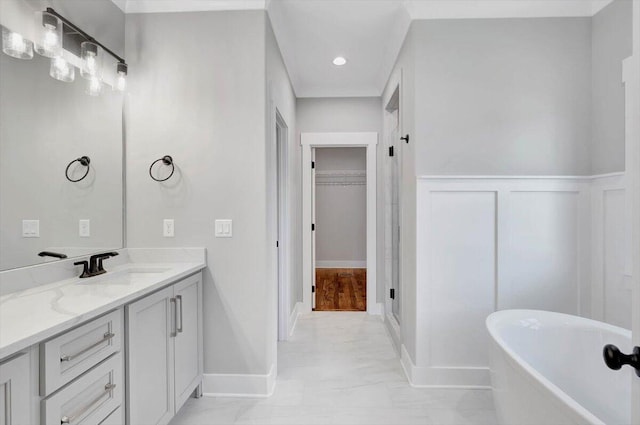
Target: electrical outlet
168	229
30	228
224	228
84	228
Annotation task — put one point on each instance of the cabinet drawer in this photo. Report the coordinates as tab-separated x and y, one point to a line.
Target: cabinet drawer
69	355
115	418
88	400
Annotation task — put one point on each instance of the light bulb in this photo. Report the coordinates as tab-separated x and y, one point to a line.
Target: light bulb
121	85
91	55
91	64
50	39
14	45
94	86
121	70
62	70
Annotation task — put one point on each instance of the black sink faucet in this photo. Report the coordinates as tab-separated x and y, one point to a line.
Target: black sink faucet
94	266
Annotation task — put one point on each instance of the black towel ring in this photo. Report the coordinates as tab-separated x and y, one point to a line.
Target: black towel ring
166	160
83	160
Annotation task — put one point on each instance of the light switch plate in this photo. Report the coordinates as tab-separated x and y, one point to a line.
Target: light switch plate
224	228
84	228
168	229
30	228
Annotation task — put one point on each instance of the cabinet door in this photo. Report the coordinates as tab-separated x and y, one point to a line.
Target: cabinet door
15	394
150	322
188	340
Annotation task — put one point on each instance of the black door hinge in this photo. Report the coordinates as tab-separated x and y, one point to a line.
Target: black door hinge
313	164
277	244
405	138
313	227
392	294
390	150
313	289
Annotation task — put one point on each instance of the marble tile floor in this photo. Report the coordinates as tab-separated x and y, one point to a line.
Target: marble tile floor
341	368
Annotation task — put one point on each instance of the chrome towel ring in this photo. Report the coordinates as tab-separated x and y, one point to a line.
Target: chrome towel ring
84	161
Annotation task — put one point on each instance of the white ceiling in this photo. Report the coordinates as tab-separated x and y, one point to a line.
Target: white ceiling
369	33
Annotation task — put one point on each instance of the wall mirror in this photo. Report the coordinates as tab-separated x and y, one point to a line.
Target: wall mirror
45	124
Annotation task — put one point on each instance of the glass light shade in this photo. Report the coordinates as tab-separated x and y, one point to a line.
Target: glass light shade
94	86
14	45
121	81
49	42
91	55
62	70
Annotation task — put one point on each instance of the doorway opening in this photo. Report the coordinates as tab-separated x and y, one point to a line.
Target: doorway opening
392	202
340	236
311	142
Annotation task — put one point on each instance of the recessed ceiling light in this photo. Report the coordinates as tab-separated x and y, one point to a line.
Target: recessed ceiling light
339	61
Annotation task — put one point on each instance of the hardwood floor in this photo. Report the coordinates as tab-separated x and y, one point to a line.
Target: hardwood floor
341	290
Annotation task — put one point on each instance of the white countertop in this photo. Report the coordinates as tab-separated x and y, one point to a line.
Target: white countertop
36	314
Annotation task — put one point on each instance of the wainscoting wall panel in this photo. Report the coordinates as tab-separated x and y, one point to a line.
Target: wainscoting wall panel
610	272
488	243
542	252
462	276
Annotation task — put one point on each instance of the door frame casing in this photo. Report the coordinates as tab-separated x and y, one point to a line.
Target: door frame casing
283	225
633	171
368	140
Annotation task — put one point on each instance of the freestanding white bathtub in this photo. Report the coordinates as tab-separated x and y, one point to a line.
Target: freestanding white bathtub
547	368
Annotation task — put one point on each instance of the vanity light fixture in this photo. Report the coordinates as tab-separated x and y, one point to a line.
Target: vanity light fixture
55	32
15	45
62	70
339	61
49	43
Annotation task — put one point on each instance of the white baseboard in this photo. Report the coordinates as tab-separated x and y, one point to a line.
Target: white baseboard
376	310
444	377
239	385
341	264
393	328
293	318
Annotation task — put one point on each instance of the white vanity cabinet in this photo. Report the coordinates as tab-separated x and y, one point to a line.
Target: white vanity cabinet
164	351
15	390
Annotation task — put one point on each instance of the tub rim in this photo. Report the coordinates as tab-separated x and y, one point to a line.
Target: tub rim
536	377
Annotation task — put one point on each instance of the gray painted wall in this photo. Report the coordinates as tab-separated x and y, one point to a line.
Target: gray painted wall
503	96
204	104
283	100
347	114
611	43
341	211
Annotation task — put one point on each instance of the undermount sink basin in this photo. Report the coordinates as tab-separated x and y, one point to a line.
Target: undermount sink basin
127	275
146	270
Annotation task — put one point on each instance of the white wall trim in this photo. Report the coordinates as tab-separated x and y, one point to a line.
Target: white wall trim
337	264
474	9
356	139
239	385
600	239
169	6
513	177
293	317
502	203
444	377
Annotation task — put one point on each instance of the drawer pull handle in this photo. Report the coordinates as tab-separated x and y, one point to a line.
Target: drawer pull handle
107	391
104	339
174	325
